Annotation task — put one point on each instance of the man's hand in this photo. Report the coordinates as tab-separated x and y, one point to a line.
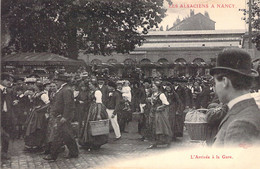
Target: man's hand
15	102
159	108
63	120
47	115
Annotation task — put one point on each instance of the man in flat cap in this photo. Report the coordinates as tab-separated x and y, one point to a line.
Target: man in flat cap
233	79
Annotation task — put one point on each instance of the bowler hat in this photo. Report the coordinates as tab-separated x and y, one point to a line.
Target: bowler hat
101	78
33	76
6	75
111	84
19	79
63	78
147	81
234	60
120	82
46	82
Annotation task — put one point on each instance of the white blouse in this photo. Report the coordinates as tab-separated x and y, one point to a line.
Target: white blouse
163	98
98	96
45	98
126	92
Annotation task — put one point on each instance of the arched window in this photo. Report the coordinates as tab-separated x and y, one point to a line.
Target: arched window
96	62
163	61
180	60
129	61
110	61
198	60
145	61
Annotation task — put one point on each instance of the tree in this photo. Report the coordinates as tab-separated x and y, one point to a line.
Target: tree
67	26
256	23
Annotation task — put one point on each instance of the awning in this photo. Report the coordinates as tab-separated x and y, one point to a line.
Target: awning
44	59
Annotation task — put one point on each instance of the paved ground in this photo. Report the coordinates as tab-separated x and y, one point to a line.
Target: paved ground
126	148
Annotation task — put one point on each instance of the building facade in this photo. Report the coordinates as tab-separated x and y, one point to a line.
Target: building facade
173	53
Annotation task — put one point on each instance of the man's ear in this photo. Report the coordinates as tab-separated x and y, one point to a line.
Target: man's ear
226	82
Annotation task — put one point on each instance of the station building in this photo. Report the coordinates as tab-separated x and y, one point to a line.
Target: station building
172	53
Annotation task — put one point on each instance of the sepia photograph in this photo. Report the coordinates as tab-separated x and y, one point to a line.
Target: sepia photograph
130	84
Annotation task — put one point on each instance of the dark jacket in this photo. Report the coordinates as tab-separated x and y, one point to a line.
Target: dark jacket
118	98
174	101
185	95
110	103
203	98
63	103
7	118
240	126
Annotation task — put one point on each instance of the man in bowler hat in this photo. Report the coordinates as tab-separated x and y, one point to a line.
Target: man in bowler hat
63	110
233	79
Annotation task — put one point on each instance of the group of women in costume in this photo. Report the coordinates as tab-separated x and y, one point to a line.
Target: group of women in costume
158	120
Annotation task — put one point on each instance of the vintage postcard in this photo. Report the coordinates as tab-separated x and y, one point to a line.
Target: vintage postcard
130	84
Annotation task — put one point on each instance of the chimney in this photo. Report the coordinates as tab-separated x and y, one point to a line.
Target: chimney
191	12
206	14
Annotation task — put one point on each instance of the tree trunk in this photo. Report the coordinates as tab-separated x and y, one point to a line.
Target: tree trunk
72	42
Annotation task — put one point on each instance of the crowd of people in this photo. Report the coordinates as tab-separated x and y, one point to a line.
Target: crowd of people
43	110
53	112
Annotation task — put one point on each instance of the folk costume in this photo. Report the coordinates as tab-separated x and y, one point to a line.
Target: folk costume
162	128
174	107
97	111
36	123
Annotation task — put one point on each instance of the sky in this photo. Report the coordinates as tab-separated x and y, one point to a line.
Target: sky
226	13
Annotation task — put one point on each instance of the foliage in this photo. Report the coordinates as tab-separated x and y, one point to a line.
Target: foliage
256	23
67	26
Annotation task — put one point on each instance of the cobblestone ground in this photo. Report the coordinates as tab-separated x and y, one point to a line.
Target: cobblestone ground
126	148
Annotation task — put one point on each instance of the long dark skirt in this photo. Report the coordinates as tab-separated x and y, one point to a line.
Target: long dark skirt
124	117
179	125
81	114
162	127
51	129
172	120
86	139
146	123
36	127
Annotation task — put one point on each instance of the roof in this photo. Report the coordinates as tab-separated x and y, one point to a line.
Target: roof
196	32
44	58
198	15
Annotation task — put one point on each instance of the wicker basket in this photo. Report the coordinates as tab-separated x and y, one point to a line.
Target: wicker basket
100	127
197	131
